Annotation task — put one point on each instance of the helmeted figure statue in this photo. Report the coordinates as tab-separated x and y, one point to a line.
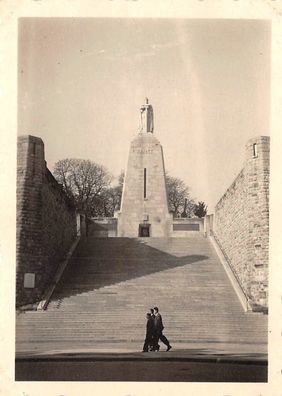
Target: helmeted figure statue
147	117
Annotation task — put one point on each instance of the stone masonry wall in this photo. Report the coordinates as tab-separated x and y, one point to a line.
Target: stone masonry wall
241	223
46	221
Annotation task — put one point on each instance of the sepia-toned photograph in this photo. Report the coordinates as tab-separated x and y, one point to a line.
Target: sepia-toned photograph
142	223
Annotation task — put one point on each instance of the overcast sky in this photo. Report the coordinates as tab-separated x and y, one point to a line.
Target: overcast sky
82	82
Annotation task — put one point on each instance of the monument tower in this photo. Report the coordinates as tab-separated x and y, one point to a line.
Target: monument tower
144	209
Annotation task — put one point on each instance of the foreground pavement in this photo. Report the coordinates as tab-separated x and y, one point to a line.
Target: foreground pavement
107	368
211	350
185	363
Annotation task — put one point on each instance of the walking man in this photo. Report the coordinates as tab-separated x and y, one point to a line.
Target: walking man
159	329
154	346
149	333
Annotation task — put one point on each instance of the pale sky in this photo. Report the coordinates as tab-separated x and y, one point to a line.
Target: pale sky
82	82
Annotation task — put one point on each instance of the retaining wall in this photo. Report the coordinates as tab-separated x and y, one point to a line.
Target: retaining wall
46	222
241	223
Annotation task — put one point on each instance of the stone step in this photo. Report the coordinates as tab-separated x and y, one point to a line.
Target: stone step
111	283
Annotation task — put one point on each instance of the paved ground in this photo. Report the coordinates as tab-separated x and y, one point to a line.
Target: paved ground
145	369
231	351
193	363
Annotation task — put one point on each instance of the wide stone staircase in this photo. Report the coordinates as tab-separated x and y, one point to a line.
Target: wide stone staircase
110	284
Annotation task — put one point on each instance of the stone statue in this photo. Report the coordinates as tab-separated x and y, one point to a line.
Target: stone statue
147	117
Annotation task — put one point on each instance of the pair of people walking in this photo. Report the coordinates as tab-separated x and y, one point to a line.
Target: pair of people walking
154	332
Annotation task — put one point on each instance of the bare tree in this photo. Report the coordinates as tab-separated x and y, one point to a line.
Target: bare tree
112	197
109	201
179	200
84	181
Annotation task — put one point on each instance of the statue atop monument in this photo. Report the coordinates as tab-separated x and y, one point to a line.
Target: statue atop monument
144	207
147	117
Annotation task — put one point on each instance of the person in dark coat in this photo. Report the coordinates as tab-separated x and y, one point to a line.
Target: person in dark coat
158	321
149	333
154	346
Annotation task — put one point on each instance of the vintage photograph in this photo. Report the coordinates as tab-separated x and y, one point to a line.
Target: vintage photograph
143	163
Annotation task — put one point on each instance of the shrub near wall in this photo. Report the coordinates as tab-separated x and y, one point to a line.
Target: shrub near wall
46	222
241	223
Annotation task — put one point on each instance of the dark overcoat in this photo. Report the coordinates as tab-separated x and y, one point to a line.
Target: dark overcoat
158	323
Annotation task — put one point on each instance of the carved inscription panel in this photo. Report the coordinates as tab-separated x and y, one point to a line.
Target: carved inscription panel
144	150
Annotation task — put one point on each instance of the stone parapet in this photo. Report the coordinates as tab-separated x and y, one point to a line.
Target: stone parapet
185	227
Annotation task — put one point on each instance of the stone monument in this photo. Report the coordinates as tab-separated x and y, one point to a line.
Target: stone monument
144	208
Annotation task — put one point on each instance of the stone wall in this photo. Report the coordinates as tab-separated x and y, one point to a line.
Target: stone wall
46	222
241	223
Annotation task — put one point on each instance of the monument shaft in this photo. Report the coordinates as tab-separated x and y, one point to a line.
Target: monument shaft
144	208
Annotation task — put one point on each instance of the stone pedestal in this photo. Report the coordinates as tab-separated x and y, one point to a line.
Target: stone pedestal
144	209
